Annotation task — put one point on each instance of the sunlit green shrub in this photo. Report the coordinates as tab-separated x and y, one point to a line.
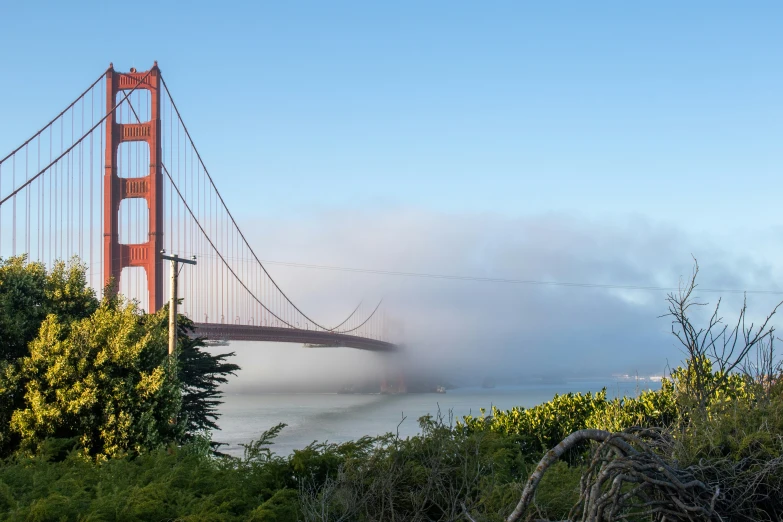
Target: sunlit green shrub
541	427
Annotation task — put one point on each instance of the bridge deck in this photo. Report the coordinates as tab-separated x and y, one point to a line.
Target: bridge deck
240	332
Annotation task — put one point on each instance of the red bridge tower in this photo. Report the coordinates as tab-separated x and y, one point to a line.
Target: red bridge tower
150	187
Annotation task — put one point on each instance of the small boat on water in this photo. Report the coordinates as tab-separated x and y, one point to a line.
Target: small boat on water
440	389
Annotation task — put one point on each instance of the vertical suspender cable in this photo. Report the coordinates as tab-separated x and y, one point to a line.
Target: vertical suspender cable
92	173
39	185
81	190
13	208
27	203
70	192
50	232
57	206
1	208
101	173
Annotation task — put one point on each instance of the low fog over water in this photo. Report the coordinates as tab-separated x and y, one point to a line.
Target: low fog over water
464	331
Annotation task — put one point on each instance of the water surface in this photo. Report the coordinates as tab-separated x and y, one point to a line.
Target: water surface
339	418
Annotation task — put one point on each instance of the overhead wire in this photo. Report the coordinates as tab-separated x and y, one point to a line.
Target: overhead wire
513	281
427	275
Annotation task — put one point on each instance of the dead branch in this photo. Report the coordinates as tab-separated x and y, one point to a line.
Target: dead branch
551	457
629	477
726	348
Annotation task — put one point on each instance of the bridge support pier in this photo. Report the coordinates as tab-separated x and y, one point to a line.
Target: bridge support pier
393	378
394	386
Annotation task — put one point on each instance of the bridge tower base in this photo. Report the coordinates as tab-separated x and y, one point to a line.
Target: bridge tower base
394	385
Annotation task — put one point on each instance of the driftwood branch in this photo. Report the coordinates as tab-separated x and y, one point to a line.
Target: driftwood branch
550	458
629	477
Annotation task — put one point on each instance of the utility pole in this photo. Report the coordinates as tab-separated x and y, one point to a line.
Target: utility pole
175	261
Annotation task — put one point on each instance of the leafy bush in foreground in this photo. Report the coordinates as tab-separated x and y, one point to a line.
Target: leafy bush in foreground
102	380
95	374
541	427
426	477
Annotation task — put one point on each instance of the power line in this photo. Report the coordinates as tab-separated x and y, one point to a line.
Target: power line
512	281
494	279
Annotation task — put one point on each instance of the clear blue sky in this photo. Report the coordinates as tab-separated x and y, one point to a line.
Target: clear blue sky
672	110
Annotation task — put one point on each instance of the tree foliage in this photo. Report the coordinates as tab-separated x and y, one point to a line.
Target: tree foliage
541	427
201	374
28	293
102	380
23	305
96	373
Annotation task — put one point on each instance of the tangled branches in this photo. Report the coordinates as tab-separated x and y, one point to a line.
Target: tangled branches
629	477
750	487
438	475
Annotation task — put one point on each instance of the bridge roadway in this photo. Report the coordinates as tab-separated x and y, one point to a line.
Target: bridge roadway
241	332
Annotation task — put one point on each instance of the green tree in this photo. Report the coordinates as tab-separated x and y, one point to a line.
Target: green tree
103	380
200	374
68	295
27	295
22	305
71	366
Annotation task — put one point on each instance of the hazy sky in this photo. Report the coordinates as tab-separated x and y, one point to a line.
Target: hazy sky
558	141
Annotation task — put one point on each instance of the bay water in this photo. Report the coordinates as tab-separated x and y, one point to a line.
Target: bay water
342	417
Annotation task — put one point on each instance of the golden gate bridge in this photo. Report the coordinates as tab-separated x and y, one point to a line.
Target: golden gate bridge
116	179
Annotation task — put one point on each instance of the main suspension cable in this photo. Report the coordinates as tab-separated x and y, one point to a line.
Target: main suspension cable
198	224
54	119
15	192
230	215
